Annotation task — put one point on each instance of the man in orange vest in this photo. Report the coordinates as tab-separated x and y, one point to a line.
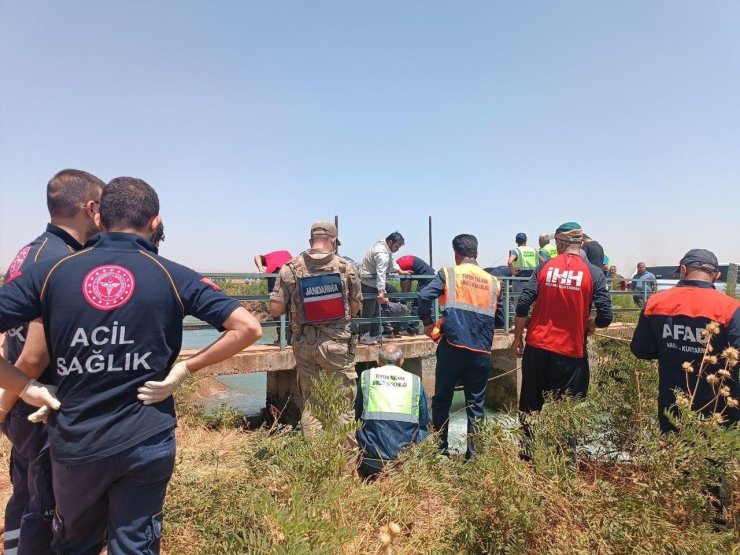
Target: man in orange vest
464	333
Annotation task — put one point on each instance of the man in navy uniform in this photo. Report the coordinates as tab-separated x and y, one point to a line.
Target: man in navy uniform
72	197
671	329
112	315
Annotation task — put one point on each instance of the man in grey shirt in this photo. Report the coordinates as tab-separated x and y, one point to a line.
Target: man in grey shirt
378	261
643	280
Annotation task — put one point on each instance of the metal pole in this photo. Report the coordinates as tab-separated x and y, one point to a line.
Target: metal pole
431	263
282	332
506	304
336	224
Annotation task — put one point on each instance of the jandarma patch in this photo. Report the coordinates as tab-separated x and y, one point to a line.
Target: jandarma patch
108	287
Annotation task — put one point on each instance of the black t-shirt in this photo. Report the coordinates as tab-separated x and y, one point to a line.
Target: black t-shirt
54	242
113	319
595	253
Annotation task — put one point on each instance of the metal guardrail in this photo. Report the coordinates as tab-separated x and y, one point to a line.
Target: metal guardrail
507	298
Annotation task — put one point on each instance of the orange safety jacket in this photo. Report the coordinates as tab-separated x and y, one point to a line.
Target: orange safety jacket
469	298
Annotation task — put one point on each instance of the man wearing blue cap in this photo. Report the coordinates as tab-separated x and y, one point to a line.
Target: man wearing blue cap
673	329
522	262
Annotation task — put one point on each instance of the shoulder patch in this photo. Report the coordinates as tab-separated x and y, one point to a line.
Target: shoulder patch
210	283
15	266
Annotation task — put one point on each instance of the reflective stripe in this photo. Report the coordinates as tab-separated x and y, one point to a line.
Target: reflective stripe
12	534
381	395
494	295
450	276
12	551
472	308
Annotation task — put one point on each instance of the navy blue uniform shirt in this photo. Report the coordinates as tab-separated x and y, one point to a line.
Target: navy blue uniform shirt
113	319
52	243
670	330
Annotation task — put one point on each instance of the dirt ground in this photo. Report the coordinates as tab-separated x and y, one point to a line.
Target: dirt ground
5	487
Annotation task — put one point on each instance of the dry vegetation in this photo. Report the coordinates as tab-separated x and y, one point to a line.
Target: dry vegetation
633	491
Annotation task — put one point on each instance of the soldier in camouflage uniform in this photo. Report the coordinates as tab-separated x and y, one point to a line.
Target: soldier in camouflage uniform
322	292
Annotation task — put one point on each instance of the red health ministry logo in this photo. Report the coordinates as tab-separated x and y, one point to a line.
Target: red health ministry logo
15	266
108	287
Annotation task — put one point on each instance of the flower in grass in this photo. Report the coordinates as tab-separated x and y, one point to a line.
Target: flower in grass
731	355
713	379
713	328
732	402
724	391
682	401
724	374
688	367
711	359
717	418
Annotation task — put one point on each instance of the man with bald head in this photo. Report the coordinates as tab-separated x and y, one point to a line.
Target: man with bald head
392	405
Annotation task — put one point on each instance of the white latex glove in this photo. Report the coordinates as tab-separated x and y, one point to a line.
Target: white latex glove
154	392
40	395
40	416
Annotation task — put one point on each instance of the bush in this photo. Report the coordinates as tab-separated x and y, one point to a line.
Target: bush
632	490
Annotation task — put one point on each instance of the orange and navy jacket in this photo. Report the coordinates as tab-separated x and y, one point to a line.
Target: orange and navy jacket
564	288
670	329
469	295
54	242
113	320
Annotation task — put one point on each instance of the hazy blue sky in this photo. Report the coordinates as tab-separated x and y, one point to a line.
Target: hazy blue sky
253	119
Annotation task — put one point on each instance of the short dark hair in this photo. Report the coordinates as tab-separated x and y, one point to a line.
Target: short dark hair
465	245
395	237
69	190
128	203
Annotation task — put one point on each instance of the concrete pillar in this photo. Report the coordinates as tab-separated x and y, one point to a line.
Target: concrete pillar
504	387
413	365
283	397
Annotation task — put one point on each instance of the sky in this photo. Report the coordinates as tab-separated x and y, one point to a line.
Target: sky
254	119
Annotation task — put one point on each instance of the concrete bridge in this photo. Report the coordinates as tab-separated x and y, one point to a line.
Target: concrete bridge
502	392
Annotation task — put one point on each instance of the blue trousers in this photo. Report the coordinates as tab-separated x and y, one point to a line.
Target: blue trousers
454	365
29	512
119	497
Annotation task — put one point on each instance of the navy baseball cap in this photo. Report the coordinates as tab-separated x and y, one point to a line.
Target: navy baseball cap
521	237
699	258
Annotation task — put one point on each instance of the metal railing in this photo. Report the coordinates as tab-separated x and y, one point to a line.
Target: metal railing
507	302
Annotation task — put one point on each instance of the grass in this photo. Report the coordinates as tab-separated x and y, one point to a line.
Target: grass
633	490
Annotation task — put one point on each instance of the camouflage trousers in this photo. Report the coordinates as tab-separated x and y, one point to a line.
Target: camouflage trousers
326	351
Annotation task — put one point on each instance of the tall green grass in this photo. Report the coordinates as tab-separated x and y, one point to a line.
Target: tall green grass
631	491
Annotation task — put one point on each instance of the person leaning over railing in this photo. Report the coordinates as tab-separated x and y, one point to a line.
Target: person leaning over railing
379	262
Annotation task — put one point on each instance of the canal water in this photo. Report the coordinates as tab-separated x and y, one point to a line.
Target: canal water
247	392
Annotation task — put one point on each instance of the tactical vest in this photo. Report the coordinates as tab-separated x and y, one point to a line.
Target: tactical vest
551	250
320	295
390	393
469	300
526	258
